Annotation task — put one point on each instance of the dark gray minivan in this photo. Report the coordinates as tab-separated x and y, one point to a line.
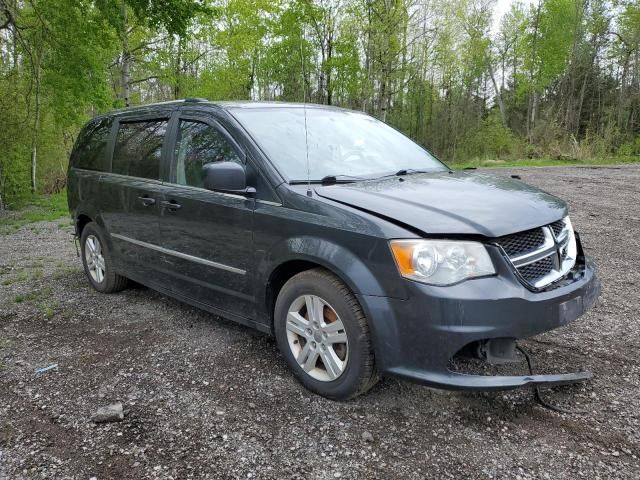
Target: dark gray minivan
362	253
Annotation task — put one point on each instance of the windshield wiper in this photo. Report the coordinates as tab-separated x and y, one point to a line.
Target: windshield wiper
333	179
403	172
407	171
330	180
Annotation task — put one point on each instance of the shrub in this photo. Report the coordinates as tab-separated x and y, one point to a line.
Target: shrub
629	149
491	140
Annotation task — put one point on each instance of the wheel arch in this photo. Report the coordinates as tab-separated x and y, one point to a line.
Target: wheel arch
308	253
82	218
81	221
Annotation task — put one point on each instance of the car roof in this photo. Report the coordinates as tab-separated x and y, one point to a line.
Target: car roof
225	105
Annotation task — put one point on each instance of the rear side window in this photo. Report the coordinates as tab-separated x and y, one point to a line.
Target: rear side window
138	148
91	145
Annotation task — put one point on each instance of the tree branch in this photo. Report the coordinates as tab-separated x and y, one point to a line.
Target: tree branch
10	21
146	79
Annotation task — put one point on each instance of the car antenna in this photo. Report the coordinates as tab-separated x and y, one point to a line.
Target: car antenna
304	108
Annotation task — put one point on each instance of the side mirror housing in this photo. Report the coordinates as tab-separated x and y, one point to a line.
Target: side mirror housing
228	177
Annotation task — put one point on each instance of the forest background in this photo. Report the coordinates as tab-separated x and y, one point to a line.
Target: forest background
477	83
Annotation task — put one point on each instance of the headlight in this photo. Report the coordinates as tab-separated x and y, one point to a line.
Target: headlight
441	262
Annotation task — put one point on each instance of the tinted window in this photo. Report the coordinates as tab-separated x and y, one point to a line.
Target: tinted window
92	145
197	145
139	148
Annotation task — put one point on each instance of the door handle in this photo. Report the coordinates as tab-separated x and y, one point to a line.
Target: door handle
147	201
170	205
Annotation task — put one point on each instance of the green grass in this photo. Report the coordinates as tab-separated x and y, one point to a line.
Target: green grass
35	295
23	276
48	309
41	298
543	162
35	209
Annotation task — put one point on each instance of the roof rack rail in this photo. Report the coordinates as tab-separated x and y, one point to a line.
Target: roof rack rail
195	99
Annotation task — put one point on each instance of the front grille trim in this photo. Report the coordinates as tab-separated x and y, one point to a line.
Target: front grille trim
549	262
546	249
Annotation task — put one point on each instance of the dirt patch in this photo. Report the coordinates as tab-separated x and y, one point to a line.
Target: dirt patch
205	398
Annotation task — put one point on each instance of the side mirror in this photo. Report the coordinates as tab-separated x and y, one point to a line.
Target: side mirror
229	177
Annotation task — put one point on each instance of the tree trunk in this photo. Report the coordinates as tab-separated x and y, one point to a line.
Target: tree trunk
500	100
623	81
126	58
532	120
36	129
1	187
177	88
14	39
382	115
578	114
329	56
321	80
533	97
367	96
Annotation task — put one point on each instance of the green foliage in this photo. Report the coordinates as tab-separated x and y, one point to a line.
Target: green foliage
630	149
556	31
34	296
491	140
542	162
35	209
557	79
173	16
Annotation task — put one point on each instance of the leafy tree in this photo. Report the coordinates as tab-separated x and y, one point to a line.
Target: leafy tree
556	78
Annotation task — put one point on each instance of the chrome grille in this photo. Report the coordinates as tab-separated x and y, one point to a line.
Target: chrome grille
523	242
542	255
557	227
538	269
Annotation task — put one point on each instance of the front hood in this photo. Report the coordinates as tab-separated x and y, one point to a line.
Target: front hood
452	203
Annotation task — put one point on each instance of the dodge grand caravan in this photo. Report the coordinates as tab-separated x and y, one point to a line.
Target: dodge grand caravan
362	253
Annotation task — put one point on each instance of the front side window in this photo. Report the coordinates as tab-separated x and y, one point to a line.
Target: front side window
340	142
138	149
91	146
198	144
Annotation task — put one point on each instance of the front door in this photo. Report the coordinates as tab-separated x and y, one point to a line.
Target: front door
206	236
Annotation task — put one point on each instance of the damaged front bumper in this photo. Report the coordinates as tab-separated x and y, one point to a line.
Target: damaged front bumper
415	339
460	381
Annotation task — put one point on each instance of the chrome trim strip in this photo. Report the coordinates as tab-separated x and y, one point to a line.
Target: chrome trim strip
554	275
563	237
549	278
184	256
547	249
552	247
204	190
155	181
268	202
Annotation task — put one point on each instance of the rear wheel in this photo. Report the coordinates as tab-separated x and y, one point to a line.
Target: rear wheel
324	336
97	261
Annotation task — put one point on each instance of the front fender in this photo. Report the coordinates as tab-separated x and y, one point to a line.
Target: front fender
342	262
374	275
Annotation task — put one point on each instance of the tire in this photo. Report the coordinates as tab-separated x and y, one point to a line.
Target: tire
352	365
93	240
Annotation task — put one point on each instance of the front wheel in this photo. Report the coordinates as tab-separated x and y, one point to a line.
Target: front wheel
323	335
97	261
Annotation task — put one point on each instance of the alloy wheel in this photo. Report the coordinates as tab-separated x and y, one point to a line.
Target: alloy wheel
317	338
94	258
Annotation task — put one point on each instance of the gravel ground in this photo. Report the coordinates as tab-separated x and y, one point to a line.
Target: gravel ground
205	398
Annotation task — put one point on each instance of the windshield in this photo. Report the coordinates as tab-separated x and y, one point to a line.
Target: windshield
341	143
